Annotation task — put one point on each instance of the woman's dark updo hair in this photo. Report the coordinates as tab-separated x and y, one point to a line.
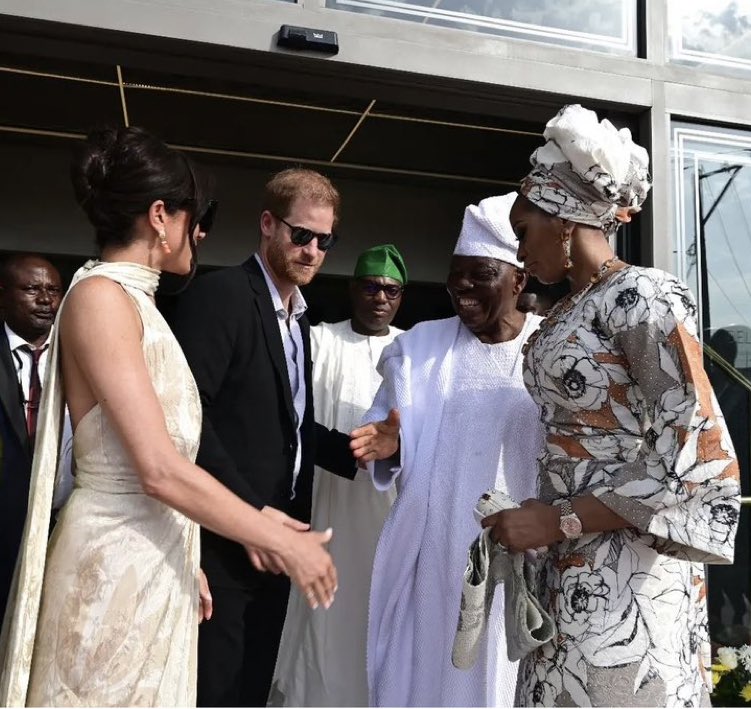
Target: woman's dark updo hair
120	172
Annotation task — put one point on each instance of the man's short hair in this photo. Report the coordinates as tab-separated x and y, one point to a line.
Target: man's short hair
298	182
9	263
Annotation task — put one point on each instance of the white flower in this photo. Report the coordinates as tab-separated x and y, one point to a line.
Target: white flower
728	657
685	695
600	340
631	300
573	380
588	598
719	509
544	692
744	655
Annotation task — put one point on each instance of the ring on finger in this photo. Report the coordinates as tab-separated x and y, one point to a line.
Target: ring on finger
310	594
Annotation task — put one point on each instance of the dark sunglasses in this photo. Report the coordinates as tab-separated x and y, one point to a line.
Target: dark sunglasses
300	236
390	290
206	220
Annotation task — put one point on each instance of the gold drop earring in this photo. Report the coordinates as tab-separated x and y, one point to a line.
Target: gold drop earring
568	264
163	242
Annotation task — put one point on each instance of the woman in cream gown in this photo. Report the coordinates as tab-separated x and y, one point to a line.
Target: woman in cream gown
120	600
111	618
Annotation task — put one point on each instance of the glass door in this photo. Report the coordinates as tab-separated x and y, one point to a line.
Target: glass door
712	173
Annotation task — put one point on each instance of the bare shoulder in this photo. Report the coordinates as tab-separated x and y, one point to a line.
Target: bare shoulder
102	305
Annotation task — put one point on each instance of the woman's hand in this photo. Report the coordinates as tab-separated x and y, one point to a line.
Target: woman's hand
531	526
376	441
285	519
310	566
206	603
267	561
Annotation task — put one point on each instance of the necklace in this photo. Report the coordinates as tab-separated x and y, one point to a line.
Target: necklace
564	304
597	277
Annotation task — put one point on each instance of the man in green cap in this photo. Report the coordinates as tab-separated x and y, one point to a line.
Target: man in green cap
322	654
376	292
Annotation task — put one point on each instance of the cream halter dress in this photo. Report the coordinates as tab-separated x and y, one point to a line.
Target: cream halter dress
112	617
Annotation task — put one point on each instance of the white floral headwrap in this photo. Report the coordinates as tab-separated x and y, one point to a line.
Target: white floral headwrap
588	171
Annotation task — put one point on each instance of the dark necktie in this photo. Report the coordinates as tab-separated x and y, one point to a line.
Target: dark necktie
35	391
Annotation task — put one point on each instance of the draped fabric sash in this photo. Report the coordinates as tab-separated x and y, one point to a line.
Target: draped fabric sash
19	627
416	378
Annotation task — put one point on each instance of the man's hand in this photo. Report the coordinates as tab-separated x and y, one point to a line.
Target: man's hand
266	561
376	441
531	526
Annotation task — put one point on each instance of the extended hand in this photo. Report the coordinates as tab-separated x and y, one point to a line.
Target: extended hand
530	526
310	567
376	441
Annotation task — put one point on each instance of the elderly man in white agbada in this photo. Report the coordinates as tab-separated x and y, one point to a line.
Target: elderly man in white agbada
465	424
322	654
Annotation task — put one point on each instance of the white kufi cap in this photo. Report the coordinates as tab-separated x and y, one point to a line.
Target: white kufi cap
486	230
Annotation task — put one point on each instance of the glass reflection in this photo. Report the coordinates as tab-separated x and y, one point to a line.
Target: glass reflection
713	236
716	33
604	25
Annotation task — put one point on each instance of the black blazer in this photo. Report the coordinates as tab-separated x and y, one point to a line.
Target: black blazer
227	327
15	467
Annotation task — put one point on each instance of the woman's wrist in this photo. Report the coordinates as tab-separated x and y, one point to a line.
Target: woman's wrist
270	536
554	525
282	541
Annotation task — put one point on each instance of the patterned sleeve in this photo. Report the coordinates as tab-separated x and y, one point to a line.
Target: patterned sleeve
683	487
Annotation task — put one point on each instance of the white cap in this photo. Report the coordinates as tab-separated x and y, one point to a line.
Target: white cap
486	230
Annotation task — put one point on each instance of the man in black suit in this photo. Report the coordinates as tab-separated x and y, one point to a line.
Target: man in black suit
30	292
246	338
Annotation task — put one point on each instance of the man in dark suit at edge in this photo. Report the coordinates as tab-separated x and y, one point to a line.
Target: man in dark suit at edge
30	293
246	338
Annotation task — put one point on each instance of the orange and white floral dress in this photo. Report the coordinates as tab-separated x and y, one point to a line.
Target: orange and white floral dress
631	418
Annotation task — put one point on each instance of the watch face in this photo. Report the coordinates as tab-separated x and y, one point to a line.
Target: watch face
571	526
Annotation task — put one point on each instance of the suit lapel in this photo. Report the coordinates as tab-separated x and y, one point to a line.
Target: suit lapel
9	390
308	365
305	330
271	333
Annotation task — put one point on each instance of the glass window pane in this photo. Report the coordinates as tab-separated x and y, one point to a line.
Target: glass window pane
715	34
712	169
603	25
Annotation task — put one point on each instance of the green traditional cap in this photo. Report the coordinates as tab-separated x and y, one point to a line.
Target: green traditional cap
384	260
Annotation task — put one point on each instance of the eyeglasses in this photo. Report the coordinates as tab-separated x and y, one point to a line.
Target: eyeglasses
390	290
301	236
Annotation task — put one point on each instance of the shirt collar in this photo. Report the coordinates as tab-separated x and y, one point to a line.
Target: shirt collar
299	306
15	341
